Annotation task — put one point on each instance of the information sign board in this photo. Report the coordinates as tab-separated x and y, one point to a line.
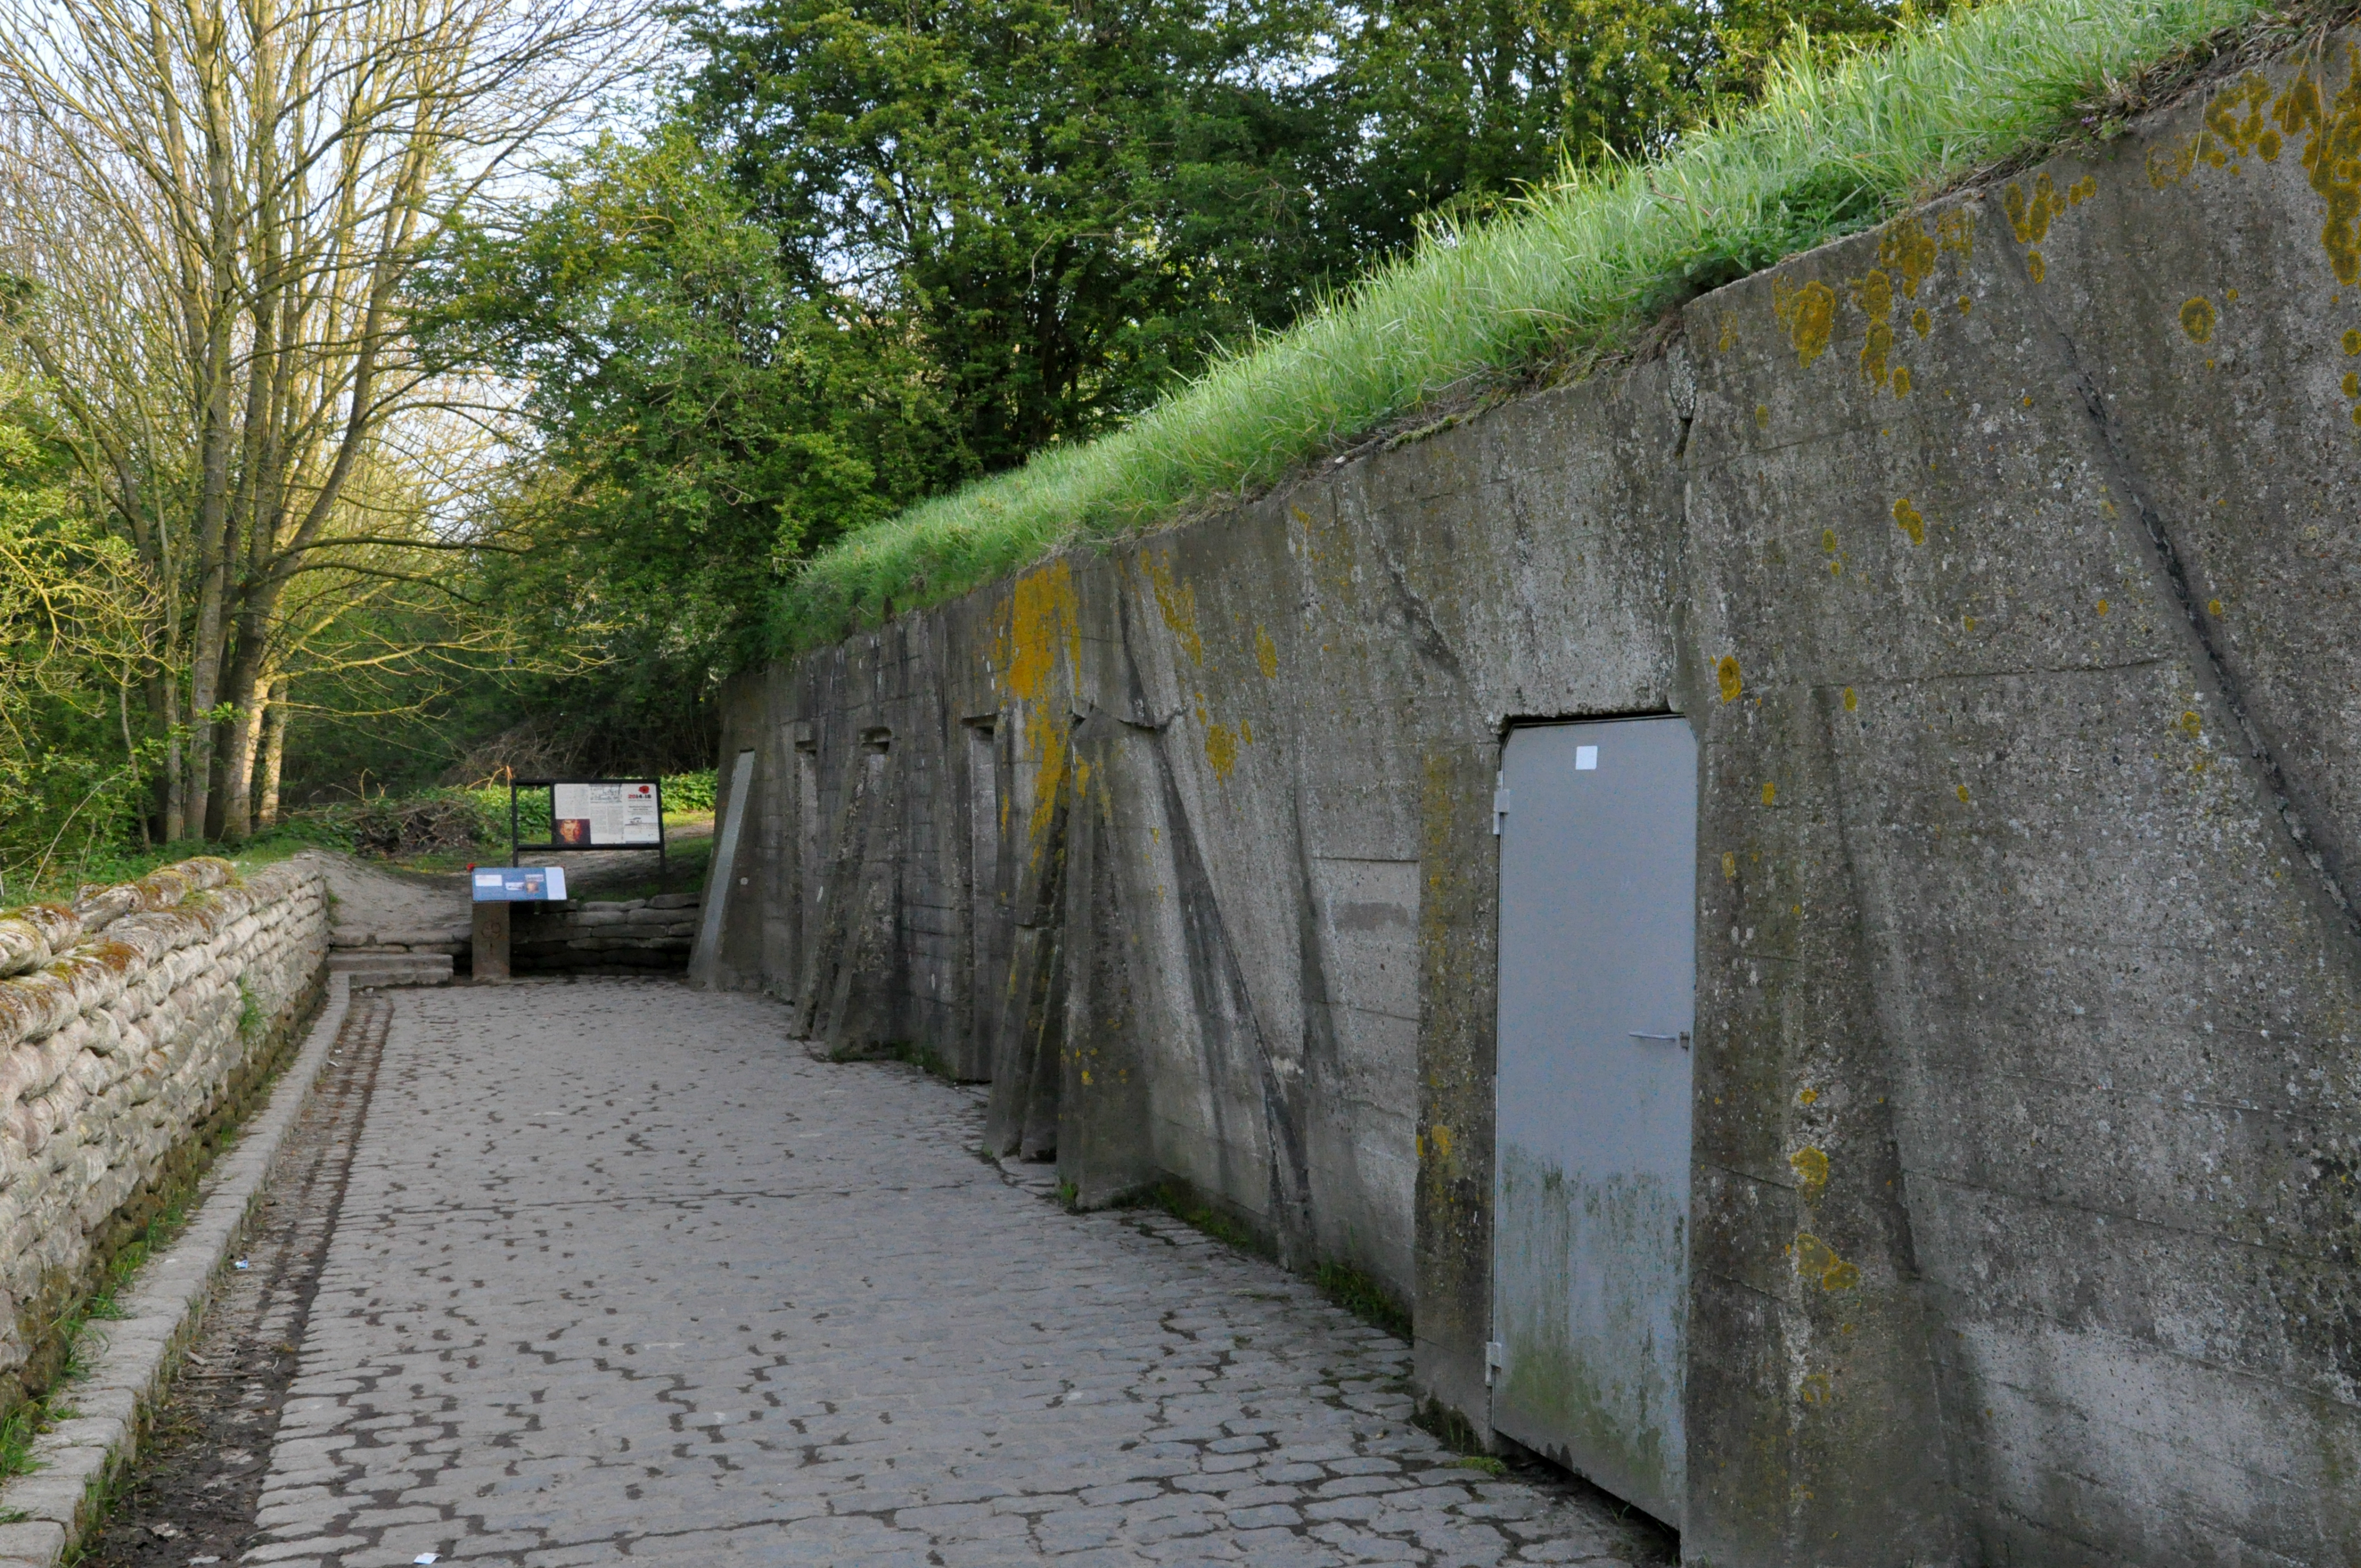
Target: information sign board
596	814
519	885
619	814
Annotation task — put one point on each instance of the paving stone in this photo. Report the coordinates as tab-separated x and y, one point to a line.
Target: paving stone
622	1274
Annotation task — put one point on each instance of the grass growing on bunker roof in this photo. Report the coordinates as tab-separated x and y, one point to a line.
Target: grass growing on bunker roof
1834	147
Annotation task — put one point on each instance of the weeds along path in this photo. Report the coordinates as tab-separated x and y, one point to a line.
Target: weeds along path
193	1494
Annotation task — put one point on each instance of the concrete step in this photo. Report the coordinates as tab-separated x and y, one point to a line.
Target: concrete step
438	939
392	968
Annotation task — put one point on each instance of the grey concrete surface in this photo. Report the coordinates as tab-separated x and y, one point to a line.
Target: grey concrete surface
623	1274
2003	559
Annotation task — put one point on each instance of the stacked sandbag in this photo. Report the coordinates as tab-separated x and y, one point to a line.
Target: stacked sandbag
123	1020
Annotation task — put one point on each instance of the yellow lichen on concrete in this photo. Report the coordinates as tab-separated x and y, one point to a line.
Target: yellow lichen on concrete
1221	749
1042	613
1910	521
1874	295
2237	124
2197	319
1176	602
1811	1168
2029	217
2332	160
1955	231
1265	654
1815	1259
1909	252
1726	675
1050	778
1809	315
1874	347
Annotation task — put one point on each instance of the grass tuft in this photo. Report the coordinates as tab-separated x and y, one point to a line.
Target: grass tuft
1185	1204
1447	1426
1836	145
909	1053
1363	1297
17	1433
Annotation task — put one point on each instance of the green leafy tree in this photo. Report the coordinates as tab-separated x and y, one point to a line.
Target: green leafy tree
872	250
1066	204
73	603
704	421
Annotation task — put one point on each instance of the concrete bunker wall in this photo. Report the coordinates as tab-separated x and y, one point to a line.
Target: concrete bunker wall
2004	560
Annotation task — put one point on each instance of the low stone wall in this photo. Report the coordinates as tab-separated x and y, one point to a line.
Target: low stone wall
632	935
133	1028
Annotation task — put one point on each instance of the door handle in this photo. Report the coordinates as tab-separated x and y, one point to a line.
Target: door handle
1682	1037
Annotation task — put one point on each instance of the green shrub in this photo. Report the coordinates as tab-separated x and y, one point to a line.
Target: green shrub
689	792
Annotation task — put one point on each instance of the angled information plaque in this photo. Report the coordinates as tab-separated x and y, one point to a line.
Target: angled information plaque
519	885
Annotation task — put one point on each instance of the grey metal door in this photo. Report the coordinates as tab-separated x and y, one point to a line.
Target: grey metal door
1591	1182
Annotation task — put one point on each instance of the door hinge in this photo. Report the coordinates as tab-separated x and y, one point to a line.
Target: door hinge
1500	807
1496	1355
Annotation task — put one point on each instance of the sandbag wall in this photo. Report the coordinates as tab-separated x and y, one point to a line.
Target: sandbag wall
634	935
129	1023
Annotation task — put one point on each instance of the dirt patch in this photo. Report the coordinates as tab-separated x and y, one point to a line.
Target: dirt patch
191	1496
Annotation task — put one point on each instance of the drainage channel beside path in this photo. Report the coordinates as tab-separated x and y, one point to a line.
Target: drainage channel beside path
618	1274
198	1478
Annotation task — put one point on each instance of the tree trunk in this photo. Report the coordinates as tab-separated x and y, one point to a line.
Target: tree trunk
246	685
244	745
274	750
210	316
162	693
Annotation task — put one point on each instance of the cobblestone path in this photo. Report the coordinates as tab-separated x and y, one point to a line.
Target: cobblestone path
621	1275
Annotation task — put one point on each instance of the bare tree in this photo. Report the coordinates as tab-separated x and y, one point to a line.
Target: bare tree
219	210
